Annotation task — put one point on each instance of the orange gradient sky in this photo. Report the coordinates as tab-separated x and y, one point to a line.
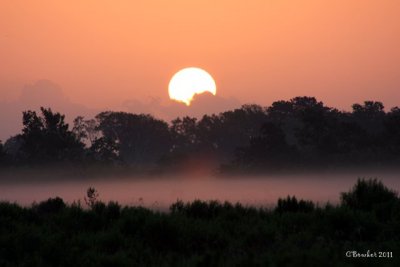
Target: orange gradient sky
103	53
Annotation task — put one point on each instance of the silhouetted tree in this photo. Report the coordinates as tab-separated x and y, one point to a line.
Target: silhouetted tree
301	131
345	138
366	194
370	116
86	130
140	138
316	120
214	138
3	155
184	135
239	126
391	138
184	143
104	150
306	123
12	147
321	136
46	138
225	132
268	150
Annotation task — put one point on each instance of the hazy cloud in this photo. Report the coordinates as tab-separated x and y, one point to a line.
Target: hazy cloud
202	104
43	93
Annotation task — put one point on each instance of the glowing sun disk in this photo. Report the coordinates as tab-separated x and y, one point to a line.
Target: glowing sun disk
188	82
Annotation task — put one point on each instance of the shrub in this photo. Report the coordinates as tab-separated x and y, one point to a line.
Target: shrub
367	194
291	204
52	205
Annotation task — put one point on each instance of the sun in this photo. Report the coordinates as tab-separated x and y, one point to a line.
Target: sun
188	82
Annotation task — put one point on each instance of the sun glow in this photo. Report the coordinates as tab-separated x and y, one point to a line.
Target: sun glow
188	82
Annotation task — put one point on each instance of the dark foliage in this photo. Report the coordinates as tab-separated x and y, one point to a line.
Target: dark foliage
46	138
291	204
300	133
141	139
3	155
295	233
367	194
269	149
52	205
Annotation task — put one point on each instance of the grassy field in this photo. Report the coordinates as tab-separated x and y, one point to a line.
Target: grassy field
294	233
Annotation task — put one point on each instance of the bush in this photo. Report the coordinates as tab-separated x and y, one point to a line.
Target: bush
290	204
198	209
52	205
200	233
367	194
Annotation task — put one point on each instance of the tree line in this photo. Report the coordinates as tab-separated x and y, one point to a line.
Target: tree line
301	132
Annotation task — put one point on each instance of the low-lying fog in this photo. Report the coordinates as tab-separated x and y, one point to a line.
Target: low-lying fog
159	193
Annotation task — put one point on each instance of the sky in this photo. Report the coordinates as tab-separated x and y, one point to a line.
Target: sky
87	56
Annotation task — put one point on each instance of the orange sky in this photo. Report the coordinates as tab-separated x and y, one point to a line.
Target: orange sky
103	53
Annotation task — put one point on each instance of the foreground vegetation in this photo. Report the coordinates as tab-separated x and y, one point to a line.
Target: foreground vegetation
294	233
